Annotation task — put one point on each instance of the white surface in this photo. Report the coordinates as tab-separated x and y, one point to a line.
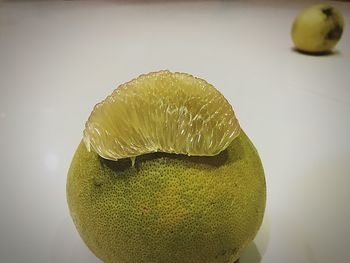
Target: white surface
57	59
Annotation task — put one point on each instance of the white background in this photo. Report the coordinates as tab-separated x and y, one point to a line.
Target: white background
58	59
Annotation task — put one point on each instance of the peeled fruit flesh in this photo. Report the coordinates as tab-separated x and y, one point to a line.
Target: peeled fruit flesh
317	29
161	112
169	208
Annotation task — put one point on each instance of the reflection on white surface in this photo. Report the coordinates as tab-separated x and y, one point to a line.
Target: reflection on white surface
51	161
67	247
262	239
59	58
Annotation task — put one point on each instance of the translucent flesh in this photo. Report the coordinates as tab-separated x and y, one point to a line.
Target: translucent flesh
161	112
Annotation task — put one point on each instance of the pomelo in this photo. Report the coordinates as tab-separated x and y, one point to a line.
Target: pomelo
196	193
168	208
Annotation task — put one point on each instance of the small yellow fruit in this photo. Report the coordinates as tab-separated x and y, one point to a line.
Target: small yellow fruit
317	29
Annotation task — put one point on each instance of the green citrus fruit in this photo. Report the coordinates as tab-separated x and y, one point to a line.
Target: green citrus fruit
166	207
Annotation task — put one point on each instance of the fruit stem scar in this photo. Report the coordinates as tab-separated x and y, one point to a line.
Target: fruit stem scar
328	11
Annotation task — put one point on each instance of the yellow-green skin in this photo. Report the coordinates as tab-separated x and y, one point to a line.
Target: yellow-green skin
317	29
168	208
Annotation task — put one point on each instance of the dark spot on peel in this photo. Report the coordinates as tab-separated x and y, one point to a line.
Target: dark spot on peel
221	253
328	11
335	33
145	211
98	182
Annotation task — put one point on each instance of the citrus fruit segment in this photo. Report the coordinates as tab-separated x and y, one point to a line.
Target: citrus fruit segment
161	112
